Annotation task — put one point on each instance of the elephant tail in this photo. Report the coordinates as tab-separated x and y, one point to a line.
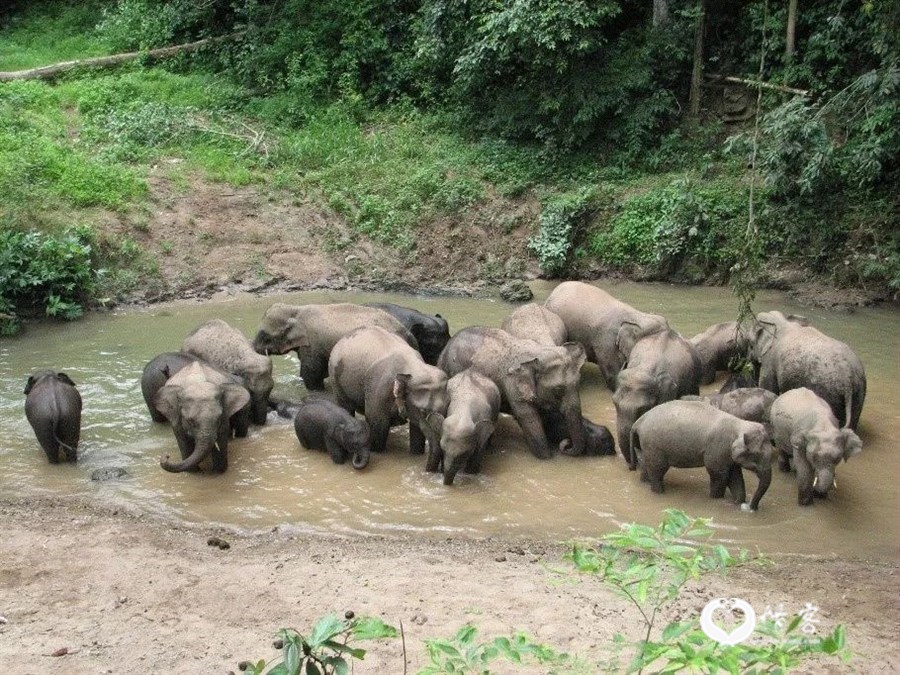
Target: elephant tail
848	407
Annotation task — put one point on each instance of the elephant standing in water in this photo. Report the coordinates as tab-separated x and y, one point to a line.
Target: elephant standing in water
538	384
377	373
312	331
199	401
225	347
535	322
469	425
53	409
432	333
720	347
321	424
687	434
791	354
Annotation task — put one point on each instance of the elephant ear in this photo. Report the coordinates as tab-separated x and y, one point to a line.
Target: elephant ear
628	334
739	447
29	384
576	354
234	397
666	387
484	429
166	401
524	379
435	421
798	441
62	377
764	336
299	335
852	443
401	388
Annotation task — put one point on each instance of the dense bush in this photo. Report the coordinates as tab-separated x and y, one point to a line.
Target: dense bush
562	219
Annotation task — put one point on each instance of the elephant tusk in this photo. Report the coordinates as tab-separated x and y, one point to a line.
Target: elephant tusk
834	484
815	481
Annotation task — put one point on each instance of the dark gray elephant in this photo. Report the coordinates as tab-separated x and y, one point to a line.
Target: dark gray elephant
163	366
199	401
607	328
752	403
689	434
807	432
598	440
312	331
321	424
720	347
469	425
538	384
535	322
225	347
661	367
432	333
791	353
377	373
53	409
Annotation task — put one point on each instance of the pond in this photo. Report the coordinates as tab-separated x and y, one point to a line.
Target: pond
273	481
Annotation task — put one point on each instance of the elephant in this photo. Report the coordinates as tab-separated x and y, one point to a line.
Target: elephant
53	409
199	401
598	441
791	353
469	425
607	328
538	384
661	367
377	373
687	434
752	403
720	347
740	380
225	347
312	331
321	424
535	322
807	432
163	366
432	333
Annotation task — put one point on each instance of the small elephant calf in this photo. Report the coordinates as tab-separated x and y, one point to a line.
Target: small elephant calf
469	425
687	434
53	408
321	424
806	430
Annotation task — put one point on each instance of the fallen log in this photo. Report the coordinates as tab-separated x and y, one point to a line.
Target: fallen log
51	71
757	83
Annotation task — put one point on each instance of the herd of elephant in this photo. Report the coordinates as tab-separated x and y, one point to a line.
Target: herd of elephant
396	365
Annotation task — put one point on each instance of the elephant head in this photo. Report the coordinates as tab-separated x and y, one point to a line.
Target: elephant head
356	439
198	405
634	328
824	450
259	382
752	450
280	331
769	328
461	440
637	391
422	398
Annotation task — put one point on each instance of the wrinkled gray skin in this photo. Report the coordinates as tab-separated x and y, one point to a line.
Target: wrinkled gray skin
607	328
662	366
432	333
471	418
312	331
751	404
535	322
807	432
163	366
719	347
53	409
225	347
377	373
199	401
791	354
322	424
687	434
538	384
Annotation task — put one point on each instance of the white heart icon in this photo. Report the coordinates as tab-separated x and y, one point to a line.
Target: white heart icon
736	636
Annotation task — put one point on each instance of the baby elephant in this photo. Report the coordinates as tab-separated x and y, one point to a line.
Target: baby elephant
322	424
687	434
806	430
53	408
469	425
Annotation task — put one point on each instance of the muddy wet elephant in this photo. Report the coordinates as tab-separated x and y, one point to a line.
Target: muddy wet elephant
537	383
661	367
199	401
312	331
163	366
791	353
806	432
720	347
377	373
607	328
689	434
432	332
469	425
321	424
53	409
225	347
535	322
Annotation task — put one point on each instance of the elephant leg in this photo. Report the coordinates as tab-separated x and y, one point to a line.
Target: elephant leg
379	429
313	371
417	441
240	423
473	464
804	479
656	482
718	481
335	450
219	452
736	484
49	444
530	421
784	462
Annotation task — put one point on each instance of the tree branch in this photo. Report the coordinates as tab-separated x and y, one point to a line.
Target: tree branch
757	83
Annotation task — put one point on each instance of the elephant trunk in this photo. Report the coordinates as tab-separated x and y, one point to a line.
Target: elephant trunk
360	458
202	448
259	408
823	482
765	479
575	426
452	468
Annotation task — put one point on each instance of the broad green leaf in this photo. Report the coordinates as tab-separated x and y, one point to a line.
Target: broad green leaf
325	629
292	655
372	628
312	668
466	634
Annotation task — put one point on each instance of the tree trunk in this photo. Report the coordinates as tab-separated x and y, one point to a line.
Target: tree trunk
697	72
660	12
791	29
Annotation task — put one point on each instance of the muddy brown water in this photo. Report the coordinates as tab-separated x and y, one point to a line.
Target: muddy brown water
273	481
